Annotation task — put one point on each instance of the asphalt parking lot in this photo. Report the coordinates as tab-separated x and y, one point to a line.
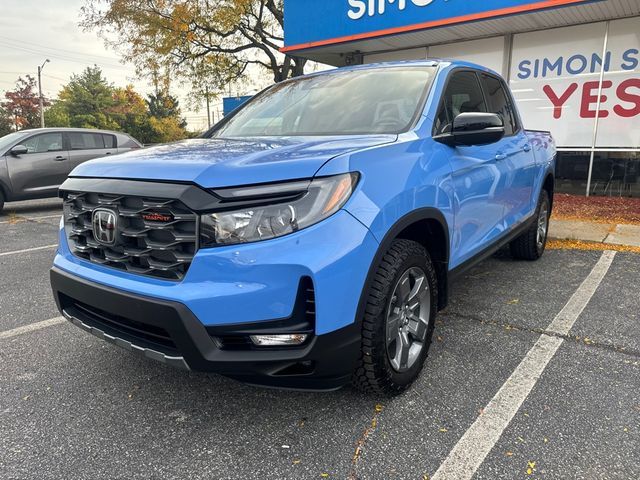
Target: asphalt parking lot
504	394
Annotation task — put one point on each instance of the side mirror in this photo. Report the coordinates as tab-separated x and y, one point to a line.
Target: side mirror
473	128
18	150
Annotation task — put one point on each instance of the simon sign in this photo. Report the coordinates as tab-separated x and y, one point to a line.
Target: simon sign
360	8
314	23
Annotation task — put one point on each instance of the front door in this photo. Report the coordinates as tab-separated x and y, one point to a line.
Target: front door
41	170
478	174
514	152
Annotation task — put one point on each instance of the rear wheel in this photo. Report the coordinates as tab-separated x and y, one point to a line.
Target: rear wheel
1	200
532	243
399	318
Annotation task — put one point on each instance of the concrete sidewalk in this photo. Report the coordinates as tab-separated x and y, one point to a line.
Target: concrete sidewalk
612	233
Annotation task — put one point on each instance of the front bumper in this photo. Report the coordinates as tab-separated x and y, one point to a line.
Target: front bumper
256	282
169	332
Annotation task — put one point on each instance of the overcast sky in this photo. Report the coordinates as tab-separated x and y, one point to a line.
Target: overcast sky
34	30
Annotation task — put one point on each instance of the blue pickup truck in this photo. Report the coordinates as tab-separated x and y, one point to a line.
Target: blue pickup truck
309	239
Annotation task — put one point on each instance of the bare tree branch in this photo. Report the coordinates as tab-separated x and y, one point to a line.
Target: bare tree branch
204	42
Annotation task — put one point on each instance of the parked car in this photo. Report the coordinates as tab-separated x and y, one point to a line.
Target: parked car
34	163
309	239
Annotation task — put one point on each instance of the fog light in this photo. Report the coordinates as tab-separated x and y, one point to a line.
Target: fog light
279	340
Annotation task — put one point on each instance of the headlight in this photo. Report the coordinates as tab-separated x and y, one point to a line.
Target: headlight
319	199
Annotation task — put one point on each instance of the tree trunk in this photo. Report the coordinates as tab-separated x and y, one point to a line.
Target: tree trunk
298	66
291	67
282	71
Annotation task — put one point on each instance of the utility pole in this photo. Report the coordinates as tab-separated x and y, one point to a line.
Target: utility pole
206	90
41	101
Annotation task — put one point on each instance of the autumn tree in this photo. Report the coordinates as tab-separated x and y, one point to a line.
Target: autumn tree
201	41
129	110
22	104
6	123
89	100
164	105
165	122
167	129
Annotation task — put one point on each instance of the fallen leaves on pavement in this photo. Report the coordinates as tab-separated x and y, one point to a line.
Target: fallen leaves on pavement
597	209
531	467
580	245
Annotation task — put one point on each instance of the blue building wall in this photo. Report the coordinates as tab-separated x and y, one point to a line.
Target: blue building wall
318	22
229	104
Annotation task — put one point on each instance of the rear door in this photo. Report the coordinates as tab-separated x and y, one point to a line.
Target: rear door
85	146
478	176
42	169
514	154
110	143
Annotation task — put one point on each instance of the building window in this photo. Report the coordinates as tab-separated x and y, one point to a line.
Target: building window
556	80
616	174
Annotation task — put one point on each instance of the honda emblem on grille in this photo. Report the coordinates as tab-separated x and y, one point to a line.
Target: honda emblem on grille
105	224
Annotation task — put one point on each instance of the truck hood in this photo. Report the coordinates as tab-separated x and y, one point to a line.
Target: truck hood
214	162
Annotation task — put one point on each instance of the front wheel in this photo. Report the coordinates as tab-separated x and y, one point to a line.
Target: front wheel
398	322
1	200
532	243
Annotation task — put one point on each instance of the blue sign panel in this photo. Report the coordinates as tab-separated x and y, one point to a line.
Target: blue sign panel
312	23
229	104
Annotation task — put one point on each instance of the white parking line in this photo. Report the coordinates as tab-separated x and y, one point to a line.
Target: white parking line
474	446
31	328
26	250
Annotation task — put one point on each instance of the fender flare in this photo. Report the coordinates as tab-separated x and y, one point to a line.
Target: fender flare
5	191
421	214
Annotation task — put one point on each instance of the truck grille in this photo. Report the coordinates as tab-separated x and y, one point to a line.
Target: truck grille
150	236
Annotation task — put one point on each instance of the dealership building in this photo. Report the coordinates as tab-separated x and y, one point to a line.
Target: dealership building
573	65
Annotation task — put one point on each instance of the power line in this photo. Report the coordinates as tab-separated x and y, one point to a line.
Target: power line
56	78
62	57
37	45
43	50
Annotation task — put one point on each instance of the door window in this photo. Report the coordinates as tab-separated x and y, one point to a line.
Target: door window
86	141
462	95
46	142
109	141
499	103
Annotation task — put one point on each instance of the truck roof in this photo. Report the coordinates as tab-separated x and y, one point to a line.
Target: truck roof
428	62
69	129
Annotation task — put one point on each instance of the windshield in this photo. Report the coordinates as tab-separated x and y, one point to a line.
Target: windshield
8	140
355	102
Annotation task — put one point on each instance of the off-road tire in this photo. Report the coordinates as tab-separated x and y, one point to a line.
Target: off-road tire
527	246
374	372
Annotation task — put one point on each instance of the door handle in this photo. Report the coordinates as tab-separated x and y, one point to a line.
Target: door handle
501	156
59	158
526	148
108	153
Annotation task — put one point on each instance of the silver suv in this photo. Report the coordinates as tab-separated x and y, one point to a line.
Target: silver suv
33	163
